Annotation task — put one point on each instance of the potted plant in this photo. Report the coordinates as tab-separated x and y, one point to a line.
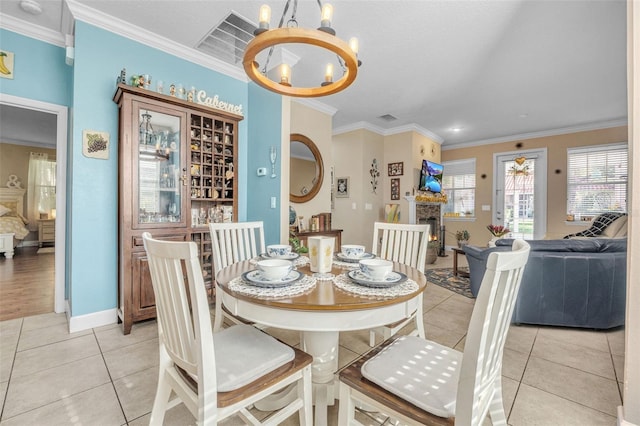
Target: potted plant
462	237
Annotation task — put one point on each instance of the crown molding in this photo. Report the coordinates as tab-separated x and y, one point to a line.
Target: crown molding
365	125
317	105
360	125
415	128
544	133
31	30
126	29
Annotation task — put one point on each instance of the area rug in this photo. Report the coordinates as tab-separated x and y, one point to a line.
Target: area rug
45	250
444	278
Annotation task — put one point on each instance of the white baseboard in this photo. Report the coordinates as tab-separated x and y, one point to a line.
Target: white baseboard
621	420
96	319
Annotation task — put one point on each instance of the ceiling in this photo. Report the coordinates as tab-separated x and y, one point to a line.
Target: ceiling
464	72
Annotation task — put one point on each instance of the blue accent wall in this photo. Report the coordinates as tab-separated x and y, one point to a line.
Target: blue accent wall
40	72
265	109
92	184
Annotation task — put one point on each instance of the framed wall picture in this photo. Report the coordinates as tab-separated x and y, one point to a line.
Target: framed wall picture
396	169
342	187
395	188
6	64
95	144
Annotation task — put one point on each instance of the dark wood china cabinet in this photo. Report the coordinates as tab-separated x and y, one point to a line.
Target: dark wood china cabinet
177	172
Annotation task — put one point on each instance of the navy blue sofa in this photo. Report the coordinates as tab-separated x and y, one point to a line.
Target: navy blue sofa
573	283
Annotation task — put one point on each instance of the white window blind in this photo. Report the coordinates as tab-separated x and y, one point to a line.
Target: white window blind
597	179
459	182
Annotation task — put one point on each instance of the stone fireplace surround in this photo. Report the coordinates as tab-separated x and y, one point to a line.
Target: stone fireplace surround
421	212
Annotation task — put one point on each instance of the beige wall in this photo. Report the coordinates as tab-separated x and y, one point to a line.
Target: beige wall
556	182
316	126
353	154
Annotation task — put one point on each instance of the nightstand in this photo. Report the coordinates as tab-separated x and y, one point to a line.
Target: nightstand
46	231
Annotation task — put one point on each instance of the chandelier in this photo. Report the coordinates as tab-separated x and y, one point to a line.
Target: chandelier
323	37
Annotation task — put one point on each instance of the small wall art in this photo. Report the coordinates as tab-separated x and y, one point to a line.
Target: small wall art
95	144
342	187
396	169
395	188
6	64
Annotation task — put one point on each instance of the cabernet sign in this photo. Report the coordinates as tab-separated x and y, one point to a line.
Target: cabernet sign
216	103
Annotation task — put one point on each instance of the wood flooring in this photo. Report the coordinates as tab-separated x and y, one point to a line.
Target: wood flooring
26	284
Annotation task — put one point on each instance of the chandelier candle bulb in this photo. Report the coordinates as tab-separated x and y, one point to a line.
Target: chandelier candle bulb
285	75
354	45
328	75
326	15
265	17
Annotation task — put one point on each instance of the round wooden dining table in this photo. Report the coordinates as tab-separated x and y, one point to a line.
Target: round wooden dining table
320	314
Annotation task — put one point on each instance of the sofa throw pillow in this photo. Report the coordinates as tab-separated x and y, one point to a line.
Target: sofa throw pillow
618	226
600	223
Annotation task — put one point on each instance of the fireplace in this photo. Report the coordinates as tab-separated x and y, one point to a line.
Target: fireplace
431	214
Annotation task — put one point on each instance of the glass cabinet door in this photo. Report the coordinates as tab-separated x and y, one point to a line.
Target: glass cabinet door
160	168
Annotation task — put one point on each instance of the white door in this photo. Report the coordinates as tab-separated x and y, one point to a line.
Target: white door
520	193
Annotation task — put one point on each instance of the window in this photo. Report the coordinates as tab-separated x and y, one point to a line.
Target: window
459	183
597	180
41	195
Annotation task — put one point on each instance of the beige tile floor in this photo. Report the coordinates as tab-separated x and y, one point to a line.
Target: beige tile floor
551	376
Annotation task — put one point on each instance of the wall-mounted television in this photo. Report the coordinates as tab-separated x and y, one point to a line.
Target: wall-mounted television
431	177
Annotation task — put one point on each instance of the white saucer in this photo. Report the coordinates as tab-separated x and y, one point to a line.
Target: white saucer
256	278
290	256
344	258
361	278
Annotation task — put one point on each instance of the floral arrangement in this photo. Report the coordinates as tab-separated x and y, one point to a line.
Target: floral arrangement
463	235
498	230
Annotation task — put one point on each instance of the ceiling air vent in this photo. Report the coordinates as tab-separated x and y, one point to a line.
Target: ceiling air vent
387	117
228	40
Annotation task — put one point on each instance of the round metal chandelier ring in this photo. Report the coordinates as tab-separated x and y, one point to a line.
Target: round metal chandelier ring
303	36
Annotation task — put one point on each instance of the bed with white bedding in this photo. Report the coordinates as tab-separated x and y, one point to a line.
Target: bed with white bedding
12	220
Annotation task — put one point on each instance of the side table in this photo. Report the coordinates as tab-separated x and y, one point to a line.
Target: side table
456	252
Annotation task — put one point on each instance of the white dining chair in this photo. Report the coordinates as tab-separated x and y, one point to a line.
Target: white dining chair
215	375
231	243
406	244
417	381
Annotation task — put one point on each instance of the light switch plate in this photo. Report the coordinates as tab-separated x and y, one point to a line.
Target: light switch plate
273	202
486	208
262	171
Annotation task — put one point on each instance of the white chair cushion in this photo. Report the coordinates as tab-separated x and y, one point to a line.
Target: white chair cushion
244	353
419	371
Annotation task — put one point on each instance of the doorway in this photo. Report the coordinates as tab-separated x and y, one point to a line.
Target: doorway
61	114
520	193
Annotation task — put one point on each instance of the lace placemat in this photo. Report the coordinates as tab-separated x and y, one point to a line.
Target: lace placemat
343	282
345	265
239	285
300	261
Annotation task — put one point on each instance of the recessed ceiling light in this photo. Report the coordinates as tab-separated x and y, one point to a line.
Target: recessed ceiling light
31	6
456	129
523	115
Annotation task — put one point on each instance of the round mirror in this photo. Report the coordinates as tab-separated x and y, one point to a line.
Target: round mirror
306	170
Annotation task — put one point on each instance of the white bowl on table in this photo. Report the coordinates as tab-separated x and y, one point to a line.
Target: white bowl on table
275	269
352	251
278	250
376	269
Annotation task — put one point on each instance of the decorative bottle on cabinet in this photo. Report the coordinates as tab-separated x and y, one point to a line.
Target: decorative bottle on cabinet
173	179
